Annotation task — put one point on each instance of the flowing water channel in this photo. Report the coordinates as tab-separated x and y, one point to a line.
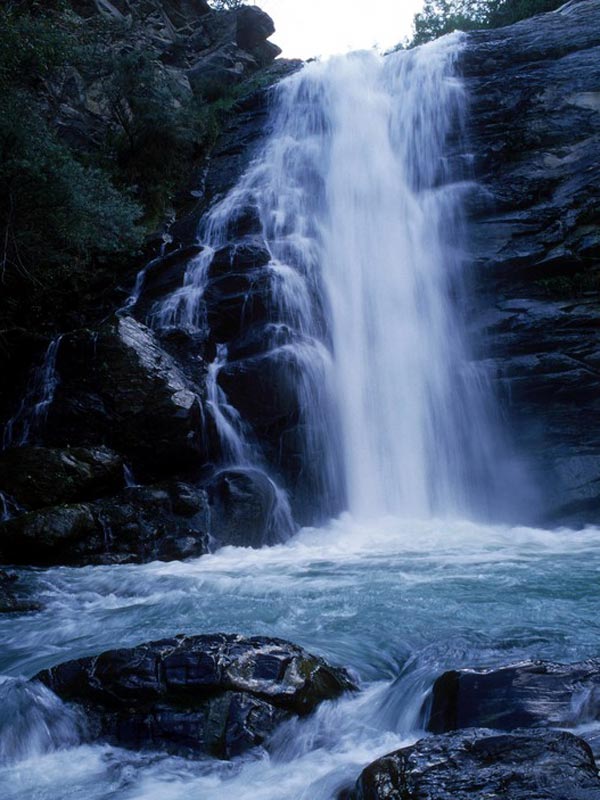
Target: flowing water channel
361	209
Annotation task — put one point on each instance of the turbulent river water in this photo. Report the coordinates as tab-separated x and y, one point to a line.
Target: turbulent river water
360	207
396	601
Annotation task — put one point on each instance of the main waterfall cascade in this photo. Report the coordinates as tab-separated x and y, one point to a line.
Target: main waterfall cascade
361	208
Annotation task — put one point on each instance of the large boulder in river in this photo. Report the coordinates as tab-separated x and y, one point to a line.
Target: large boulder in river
246	509
530	694
166	521
41	476
215	694
480	765
118	386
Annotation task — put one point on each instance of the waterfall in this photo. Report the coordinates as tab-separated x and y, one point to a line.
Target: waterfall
362	190
359	196
359	192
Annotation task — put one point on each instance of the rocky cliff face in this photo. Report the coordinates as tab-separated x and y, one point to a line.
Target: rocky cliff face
141	397
535	128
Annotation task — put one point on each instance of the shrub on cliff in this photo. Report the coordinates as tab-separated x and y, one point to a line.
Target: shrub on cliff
56	205
439	17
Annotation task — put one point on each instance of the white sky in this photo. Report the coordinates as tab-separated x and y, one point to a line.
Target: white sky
306	28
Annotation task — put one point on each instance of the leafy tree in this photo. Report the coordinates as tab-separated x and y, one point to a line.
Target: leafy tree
439	17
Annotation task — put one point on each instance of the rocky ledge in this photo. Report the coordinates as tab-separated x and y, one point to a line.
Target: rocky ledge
215	694
529	694
479	764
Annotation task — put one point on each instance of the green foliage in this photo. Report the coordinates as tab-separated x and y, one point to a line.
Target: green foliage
157	130
97	136
439	17
509	11
53	205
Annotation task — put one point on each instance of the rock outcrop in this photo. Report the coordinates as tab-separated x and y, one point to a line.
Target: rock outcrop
142	523
118	386
479	764
216	694
35	477
531	694
535	135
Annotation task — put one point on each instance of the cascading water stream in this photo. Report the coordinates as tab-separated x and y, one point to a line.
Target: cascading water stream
29	419
361	209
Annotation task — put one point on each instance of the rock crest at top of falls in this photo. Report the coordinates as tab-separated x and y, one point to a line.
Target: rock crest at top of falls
214	694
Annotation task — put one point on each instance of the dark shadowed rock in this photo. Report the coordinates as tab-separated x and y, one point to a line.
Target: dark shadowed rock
531	694
40	476
215	694
244	509
143	523
119	387
480	765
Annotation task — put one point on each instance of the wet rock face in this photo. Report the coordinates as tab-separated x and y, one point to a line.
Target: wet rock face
243	506
41	476
118	386
215	694
535	134
532	694
478	764
164	521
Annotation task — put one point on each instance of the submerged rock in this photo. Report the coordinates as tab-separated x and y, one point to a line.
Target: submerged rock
41	476
479	765
531	694
214	694
165	521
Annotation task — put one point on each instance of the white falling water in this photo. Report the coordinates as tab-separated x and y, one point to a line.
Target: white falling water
358	195
360	208
29	419
370	135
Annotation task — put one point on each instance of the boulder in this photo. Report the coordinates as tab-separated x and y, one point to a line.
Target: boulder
213	694
530	694
246	509
166	521
118	386
479	765
41	476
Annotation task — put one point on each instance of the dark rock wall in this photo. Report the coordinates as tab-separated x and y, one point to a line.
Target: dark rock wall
535	137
